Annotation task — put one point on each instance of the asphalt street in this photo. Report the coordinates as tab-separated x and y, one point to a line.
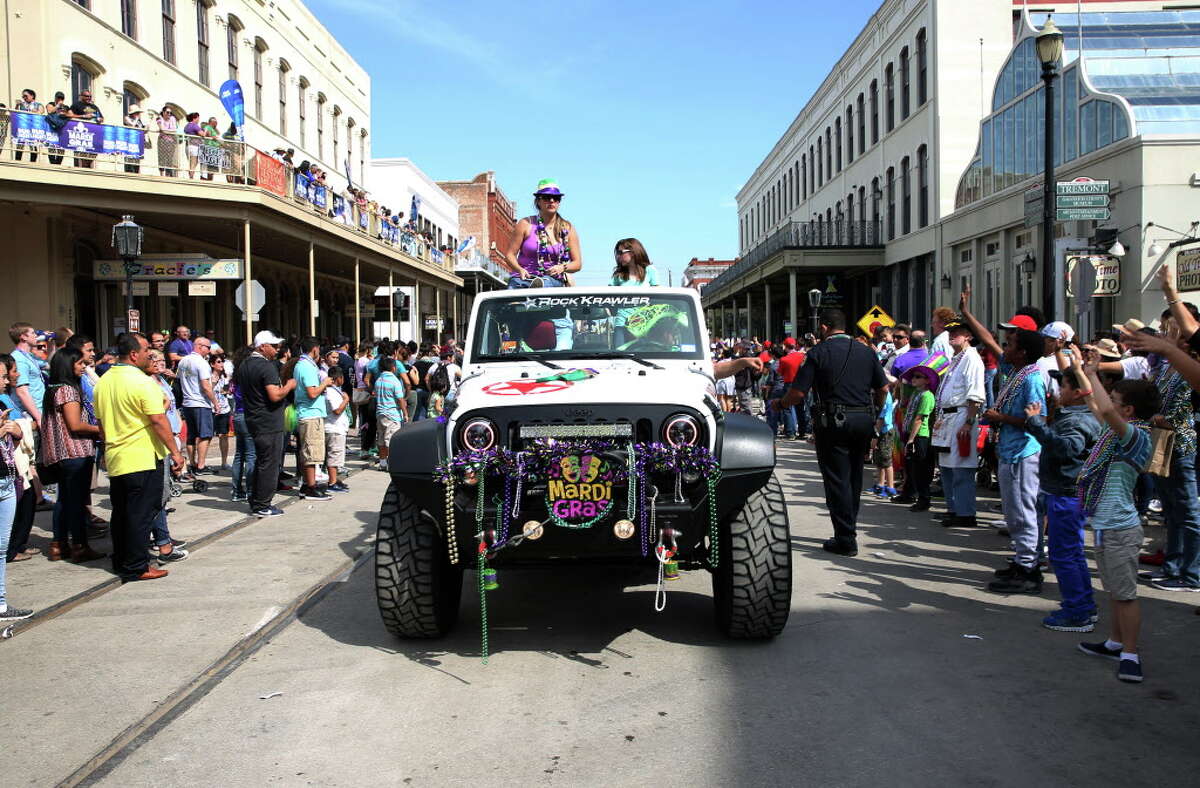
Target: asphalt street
874	681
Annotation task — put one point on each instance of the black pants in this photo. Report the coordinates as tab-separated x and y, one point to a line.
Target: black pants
366	430
268	449
18	538
919	466
840	453
137	498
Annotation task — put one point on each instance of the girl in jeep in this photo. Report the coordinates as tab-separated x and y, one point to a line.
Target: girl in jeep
545	247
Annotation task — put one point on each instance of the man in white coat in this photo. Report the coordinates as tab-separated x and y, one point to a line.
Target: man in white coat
956	427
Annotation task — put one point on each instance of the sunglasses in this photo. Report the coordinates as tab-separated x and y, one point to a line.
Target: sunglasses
551	197
624	251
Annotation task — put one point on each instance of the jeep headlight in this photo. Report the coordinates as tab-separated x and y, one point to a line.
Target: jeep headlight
681	430
478	434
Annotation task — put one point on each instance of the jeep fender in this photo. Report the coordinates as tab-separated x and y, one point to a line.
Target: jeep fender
416	449
747	455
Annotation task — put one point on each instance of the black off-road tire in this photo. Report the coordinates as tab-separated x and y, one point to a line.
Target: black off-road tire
752	584
417	589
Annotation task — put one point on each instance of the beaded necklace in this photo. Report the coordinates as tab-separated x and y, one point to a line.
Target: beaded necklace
1095	468
1014	386
545	258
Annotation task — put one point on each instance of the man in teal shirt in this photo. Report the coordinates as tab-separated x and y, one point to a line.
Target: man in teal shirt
311	409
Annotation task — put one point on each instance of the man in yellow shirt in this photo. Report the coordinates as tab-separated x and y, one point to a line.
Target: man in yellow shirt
133	423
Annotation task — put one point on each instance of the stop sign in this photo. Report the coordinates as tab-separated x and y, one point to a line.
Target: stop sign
258	295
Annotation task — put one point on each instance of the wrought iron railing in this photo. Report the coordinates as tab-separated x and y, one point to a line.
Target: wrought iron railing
837	234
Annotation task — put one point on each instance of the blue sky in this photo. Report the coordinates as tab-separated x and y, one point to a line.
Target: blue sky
650	115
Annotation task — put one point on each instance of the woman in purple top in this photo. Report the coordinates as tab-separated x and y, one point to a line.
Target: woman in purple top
545	246
192	141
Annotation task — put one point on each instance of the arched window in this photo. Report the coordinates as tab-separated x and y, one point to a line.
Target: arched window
820	163
904	83
321	126
202	7
260	46
349	143
905	197
337	113
875	195
862	202
828	154
232	28
862	126
889	89
132	93
362	156
922	186
284	68
922	67
303	86
891	202
850	208
837	142
849	134
168	30
804	177
874	111
84	73
129	18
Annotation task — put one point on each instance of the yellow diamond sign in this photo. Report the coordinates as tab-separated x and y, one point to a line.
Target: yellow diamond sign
875	318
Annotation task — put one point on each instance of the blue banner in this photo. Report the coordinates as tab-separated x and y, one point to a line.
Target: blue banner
319	196
339	207
78	135
235	105
363	219
415	210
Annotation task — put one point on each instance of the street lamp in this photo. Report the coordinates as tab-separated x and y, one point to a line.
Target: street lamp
1049	49
127	240
814	303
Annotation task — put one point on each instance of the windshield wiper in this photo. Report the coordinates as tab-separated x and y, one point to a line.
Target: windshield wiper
626	355
519	357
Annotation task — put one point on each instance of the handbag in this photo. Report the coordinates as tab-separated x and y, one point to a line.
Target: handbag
48	472
1162	444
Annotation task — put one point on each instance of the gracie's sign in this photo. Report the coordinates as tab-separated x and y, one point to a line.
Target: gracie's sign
580	489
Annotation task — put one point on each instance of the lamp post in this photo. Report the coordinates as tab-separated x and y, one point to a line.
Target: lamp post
127	240
1049	49
814	303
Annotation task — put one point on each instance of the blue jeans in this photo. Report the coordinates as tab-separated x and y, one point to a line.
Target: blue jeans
958	485
1182	514
159	532
1065	518
787	414
70	510
243	455
989	386
515	282
564	333
8	511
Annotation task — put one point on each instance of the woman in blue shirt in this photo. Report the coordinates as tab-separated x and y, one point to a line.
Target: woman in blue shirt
633	269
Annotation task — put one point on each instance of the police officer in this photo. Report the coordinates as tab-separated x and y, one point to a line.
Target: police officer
847	386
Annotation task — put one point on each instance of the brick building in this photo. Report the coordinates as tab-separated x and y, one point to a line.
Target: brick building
484	212
700	272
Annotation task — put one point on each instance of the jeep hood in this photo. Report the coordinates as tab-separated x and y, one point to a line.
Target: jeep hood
616	381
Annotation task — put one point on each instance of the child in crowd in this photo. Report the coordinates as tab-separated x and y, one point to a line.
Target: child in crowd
1066	443
1106	487
919	456
337	422
881	447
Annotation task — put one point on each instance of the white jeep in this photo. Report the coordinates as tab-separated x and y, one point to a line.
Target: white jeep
585	427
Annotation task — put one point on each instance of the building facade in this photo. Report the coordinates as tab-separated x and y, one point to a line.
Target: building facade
485	213
217	213
699	273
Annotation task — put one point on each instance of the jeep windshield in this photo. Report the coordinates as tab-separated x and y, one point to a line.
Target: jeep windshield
541	324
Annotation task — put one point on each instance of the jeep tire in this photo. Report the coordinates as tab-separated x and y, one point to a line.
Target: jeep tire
752	584
417	589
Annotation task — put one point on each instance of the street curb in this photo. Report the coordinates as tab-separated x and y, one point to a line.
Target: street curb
113	583
178	702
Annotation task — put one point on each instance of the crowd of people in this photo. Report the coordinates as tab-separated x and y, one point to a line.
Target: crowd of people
146	412
1075	434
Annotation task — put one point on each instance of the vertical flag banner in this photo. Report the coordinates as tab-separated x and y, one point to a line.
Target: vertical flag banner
235	105
415	211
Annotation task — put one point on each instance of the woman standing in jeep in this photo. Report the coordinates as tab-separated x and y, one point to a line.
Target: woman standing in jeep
545	246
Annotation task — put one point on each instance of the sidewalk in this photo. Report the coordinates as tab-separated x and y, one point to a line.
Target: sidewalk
88	674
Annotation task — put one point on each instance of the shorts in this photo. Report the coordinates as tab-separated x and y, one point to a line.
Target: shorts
221	423
882	456
387	428
199	423
1117	560
310	439
193	151
335	450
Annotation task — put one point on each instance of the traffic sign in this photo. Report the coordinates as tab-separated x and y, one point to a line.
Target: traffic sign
1034	204
133	319
875	318
1082	186
1081	201
1083	214
257	292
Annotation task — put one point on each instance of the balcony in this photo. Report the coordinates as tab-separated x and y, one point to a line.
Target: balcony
837	234
219	165
475	261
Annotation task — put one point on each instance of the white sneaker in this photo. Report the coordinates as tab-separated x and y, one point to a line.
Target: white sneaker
382	465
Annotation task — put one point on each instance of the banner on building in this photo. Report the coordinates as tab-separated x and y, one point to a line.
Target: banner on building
169	268
78	135
235	104
1187	270
214	157
270	174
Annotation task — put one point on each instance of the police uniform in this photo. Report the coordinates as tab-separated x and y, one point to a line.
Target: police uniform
840	376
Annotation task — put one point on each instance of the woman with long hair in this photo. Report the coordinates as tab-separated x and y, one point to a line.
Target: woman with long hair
13	487
222	417
69	444
633	269
545	247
